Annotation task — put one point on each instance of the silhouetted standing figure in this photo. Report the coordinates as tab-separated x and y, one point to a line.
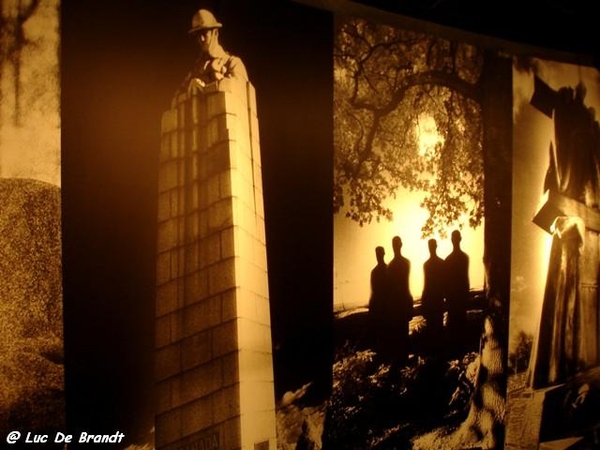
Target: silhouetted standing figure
433	292
378	300
400	300
457	288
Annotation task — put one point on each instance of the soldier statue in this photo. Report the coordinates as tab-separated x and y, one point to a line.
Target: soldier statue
213	63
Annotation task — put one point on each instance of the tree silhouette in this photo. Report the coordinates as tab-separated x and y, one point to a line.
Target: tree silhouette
388	82
13	16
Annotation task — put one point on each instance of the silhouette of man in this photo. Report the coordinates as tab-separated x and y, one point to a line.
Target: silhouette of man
400	299
213	63
379	294
433	290
457	286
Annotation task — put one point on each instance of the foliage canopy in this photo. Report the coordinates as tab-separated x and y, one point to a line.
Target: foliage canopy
388	84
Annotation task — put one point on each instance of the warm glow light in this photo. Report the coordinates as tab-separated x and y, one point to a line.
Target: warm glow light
428	136
354	250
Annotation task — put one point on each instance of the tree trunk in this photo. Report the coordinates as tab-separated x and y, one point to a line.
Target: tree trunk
485	421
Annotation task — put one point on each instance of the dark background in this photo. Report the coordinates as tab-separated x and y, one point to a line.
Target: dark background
121	63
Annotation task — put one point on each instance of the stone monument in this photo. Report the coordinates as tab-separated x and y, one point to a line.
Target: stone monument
214	369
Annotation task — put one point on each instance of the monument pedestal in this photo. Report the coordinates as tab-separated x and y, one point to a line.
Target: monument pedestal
214	371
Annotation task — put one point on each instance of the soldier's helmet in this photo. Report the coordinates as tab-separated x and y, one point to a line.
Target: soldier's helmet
204	20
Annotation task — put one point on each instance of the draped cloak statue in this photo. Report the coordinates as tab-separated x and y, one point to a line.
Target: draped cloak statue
568	337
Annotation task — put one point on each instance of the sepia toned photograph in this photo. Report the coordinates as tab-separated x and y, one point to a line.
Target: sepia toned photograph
554	352
295	225
421	251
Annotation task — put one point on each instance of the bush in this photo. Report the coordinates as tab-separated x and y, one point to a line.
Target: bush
373	401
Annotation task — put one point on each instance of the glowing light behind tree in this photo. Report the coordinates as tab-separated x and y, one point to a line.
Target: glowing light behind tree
408	149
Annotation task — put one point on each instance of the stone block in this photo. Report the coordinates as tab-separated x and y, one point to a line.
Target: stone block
260	231
203	223
226	403
242	185
167	236
244	273
225	184
162	335
169	121
163	396
163	268
251	98
168	176
196	350
204	199
246	304
197	415
263	312
176	198
196	287
224	339
254	132
176	325
195	140
221	276
203	138
167	361
174	145
245	217
231	369
260	209
244	247
258	427
201	316
250	277
218	159
191	228
220	215
253	336
260	396
201	381
166	298
215	105
175	383
165	149
213	188
231	432
233	125
209	250
256	366
213	130
192	263
168	427
177	260
196	103
229	309
194	162
261	281
260	252
227	243
164	206
190	200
